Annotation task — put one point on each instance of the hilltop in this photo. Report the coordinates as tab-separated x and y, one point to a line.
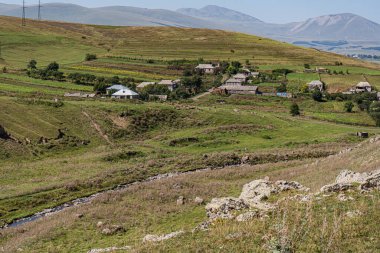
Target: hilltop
45	42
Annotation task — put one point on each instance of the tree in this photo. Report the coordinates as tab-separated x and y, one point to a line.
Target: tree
349	106
90	57
52	67
374	112
317	95
295	110
307	66
32	65
282	88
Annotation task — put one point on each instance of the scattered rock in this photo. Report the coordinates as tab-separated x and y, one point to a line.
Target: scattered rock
245	159
371	182
337	187
79	215
255	192
248	216
354	214
234	236
342	197
99	224
180	201
204	226
199	201
160	238
221	208
288	186
111	249
111	230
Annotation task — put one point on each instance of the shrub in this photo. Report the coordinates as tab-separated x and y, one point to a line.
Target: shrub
317	95
90	57
374	112
295	109
349	106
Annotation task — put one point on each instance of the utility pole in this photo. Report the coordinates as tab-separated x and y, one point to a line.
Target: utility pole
39	10
23	14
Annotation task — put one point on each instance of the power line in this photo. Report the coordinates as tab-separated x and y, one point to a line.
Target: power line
23	14
39	10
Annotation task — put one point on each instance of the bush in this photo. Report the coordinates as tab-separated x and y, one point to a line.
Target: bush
374	112
90	57
295	110
349	106
317	95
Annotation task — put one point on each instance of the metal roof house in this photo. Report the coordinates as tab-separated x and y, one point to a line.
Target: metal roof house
233	81
114	88
206	68
240	89
316	84
363	87
170	84
242	77
125	94
144	84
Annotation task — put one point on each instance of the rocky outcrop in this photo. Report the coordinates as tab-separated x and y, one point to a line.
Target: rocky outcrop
248	216
222	208
160	238
348	180
253	196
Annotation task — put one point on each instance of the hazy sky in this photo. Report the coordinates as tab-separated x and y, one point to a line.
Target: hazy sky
276	11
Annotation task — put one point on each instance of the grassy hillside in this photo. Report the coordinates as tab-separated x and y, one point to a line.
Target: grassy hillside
68	43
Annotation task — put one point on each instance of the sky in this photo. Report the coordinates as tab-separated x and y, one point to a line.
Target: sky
274	11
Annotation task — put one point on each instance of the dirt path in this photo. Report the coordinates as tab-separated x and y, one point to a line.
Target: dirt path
97	127
202	95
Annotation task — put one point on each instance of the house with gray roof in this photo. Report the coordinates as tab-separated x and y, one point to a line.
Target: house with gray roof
125	94
115	88
316	84
240	89
206	68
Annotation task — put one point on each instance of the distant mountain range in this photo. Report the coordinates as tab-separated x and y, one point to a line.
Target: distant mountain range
342	33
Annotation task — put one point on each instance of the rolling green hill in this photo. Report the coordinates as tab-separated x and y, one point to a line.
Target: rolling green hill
68	43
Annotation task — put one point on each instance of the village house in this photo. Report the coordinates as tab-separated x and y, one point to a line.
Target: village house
125	94
115	88
241	77
316	84
240	89
172	85
363	87
144	84
206	68
233	81
255	74
321	70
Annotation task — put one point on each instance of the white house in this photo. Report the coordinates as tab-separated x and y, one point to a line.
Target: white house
114	88
363	87
125	94
233	81
316	84
170	84
206	68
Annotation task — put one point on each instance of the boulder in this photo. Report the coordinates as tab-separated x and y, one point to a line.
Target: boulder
256	191
111	230
221	208
180	201
199	201
160	238
204	226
